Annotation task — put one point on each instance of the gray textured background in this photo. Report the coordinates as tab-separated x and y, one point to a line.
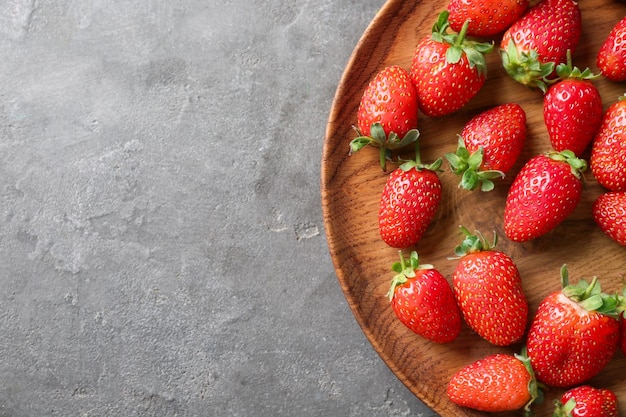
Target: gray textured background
162	251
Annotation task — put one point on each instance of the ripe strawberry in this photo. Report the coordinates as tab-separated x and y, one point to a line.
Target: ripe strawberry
423	301
486	17
611	59
387	114
545	191
608	151
447	69
536	43
586	401
489	146
622	337
574	333
621	308
609	212
498	382
488	289
572	109
409	202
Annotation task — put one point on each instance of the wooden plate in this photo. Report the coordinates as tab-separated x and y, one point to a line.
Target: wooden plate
351	186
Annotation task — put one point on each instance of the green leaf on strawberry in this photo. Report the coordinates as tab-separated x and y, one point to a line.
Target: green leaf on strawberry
526	68
468	165
386	143
589	295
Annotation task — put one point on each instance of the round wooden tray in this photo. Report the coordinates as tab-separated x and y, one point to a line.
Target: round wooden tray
351	187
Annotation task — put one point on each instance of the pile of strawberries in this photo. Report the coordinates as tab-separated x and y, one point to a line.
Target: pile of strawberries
577	329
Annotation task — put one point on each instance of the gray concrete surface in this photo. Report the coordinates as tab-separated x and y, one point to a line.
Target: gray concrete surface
162	251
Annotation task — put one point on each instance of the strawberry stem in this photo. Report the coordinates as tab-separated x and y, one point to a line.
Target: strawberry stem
417	162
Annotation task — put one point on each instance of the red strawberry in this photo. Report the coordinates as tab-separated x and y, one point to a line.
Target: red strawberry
409	202
488	290
609	212
448	70
587	401
486	17
387	114
608	151
611	59
621	308
489	146
574	333
545	191
498	382
534	45
572	109
622	336
423	301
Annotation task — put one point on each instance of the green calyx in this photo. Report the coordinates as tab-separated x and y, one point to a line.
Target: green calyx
569	71
564	410
387	143
535	388
589	295
468	166
473	243
460	44
526	67
578	165
405	269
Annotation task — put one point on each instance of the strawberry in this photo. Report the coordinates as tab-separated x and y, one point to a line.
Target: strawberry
587	401
489	146
572	109
488	289
536	43
387	114
498	382
611	59
621	308
609	212
486	17
574	333
608	151
422	299
409	202
447	69
545	191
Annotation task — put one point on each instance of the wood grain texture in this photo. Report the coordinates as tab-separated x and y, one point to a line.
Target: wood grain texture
351	187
